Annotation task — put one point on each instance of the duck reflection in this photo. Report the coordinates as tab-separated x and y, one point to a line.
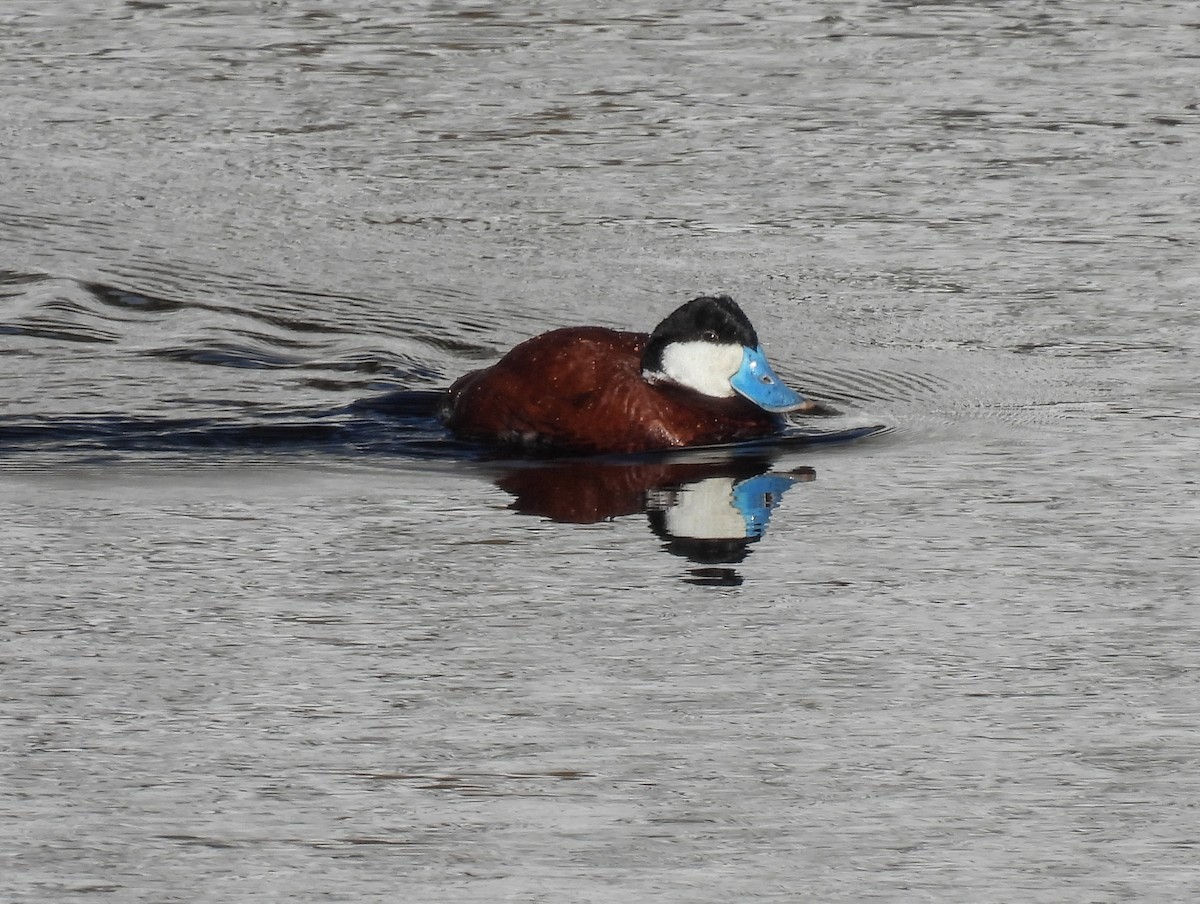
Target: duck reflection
708	512
707	504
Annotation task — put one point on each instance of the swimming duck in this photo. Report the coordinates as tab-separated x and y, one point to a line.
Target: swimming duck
700	378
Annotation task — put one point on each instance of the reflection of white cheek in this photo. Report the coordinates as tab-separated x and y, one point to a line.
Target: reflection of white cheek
705	511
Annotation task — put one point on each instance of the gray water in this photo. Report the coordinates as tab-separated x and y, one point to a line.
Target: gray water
261	644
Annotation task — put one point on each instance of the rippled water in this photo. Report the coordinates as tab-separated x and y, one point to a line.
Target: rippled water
269	635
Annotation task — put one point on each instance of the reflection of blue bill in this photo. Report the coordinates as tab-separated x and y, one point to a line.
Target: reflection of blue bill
756	496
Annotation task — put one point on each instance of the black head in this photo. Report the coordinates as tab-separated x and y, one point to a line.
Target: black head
710	318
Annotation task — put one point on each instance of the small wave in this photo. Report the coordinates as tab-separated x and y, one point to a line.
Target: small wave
248	334
863	387
132	301
58	310
225	354
951	388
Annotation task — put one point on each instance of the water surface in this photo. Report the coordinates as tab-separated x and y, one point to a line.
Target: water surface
264	639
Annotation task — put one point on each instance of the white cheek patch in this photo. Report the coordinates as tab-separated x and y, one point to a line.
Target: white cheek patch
703	366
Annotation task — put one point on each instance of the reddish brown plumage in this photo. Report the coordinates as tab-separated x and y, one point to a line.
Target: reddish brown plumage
580	389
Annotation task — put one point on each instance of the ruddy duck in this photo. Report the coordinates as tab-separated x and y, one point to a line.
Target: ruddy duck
700	378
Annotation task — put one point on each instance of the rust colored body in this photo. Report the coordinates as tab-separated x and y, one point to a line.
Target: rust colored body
581	390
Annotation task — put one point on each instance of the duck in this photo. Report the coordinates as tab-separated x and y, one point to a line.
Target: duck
700	378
